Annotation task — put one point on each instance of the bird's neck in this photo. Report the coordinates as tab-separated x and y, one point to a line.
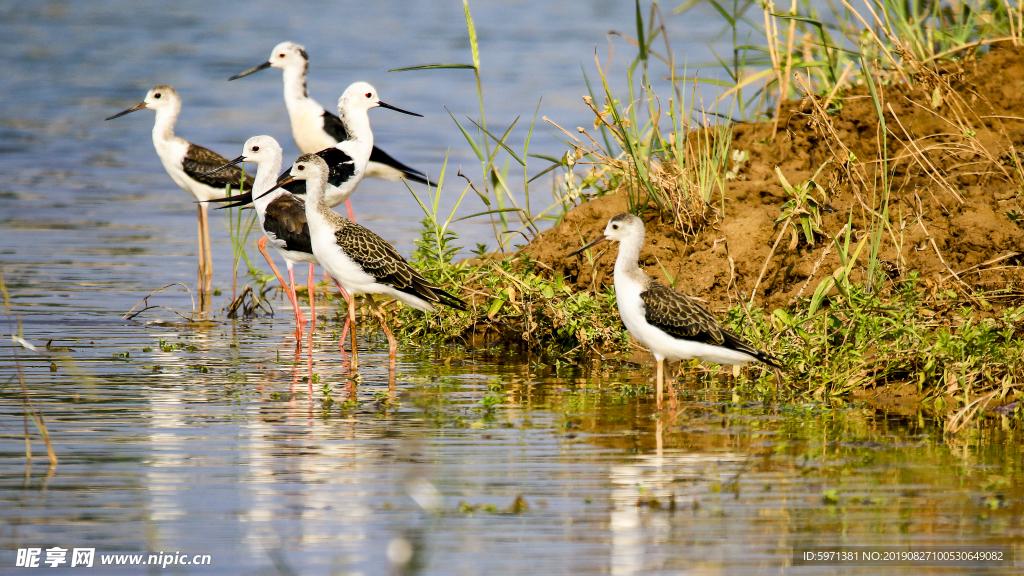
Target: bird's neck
357	125
316	191
163	129
295	84
627	263
266	178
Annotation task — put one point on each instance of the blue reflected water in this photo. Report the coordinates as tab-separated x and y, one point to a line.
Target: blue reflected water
219	439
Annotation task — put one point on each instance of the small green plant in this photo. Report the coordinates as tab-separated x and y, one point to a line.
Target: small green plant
802	212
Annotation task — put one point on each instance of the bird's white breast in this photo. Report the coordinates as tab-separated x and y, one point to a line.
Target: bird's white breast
660	343
307	126
333	259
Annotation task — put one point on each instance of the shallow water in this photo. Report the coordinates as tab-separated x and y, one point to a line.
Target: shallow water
207	439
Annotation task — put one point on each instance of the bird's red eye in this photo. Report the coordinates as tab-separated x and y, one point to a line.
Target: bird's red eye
280	55
157	95
255	148
369	94
302	167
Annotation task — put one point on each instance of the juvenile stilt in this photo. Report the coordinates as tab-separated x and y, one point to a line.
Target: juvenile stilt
359	259
192	167
671	325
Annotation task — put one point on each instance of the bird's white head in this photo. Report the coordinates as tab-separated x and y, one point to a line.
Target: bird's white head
160	97
624	227
288	55
360	96
309	167
261	149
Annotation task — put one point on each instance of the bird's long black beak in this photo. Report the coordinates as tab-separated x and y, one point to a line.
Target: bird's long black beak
396	109
138	106
599	239
238	160
263	66
242	200
280	184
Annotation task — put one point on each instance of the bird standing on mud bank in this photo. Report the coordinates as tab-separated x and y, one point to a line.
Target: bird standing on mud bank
672	325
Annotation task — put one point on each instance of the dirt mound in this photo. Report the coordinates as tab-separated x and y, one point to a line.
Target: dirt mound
955	199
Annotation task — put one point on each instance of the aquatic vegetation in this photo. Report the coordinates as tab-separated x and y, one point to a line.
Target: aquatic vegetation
871	315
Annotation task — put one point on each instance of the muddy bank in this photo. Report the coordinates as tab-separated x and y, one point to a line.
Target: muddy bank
955	200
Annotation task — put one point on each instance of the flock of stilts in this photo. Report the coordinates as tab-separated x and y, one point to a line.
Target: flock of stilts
338	151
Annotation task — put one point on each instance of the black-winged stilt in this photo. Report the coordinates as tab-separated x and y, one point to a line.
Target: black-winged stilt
672	325
359	259
282	218
190	166
346	160
313	127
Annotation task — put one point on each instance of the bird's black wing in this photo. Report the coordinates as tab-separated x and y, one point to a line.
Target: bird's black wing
683	317
381	157
285	218
380	260
340	164
334	127
198	161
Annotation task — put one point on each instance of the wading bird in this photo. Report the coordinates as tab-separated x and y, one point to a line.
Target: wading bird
190	167
316	129
359	259
282	217
346	160
672	325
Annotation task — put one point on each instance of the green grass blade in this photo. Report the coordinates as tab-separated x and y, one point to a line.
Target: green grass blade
435	67
469	138
500	141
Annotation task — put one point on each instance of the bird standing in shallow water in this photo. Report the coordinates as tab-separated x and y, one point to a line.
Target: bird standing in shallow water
359	259
347	160
282	217
672	325
189	166
316	129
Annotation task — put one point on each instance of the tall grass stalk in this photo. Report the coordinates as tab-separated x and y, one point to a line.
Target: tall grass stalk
30	412
239	229
493	151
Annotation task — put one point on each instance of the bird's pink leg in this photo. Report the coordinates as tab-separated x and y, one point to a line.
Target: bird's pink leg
348	321
351	214
311	288
300	319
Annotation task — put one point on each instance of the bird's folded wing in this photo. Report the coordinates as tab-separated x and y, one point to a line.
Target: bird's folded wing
198	161
680	316
376	257
285	218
